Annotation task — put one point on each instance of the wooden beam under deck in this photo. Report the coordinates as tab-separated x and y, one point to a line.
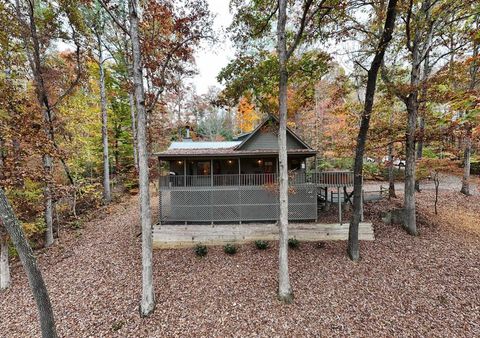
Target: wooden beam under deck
185	236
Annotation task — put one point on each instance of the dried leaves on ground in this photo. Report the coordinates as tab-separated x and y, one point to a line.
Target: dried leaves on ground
402	286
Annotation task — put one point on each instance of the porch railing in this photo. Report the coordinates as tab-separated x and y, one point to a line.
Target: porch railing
323	179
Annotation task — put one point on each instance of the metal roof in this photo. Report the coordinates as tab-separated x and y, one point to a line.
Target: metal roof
228	152
204	145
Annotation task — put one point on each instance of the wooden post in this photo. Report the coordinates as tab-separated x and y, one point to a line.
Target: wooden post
184	172
239	171
211	172
339	206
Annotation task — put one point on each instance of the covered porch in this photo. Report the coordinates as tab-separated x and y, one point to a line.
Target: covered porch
185	236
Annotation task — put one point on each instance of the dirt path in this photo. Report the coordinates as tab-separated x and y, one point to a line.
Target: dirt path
403	286
447	183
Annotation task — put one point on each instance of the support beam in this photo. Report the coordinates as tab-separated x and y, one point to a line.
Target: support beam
211	172
339	206
185	172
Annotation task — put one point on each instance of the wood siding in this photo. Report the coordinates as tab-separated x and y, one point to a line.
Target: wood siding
268	140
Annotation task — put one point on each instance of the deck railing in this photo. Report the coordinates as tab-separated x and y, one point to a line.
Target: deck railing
324	179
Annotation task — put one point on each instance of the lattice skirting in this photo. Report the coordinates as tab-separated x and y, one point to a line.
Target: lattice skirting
234	204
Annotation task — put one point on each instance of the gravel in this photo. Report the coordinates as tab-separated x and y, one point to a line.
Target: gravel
402	286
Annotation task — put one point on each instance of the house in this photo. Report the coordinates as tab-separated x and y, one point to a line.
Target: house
236	181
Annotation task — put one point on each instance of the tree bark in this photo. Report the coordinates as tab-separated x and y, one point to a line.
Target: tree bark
423	110
147	305
35	279
285	292
391	174
417	48
409	196
474	67
353	244
34	58
4	265
107	196
466	162
131	100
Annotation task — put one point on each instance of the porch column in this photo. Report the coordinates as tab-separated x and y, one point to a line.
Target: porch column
239	170
184	172
211	172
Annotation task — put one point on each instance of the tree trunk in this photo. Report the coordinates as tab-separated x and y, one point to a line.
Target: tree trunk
39	290
423	111
391	174
4	265
409	196
147	305
353	245
285	292
107	196
32	46
474	67
466	162
48	201
131	100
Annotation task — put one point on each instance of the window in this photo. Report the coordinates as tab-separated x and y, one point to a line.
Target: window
203	168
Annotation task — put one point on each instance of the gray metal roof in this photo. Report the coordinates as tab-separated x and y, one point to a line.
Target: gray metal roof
204	145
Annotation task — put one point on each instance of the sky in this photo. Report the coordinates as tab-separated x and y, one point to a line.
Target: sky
211	59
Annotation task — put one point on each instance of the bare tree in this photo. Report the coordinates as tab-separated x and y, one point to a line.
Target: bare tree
4	265
107	196
353	245
285	292
147	305
35	279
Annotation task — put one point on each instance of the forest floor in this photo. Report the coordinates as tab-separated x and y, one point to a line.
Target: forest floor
403	286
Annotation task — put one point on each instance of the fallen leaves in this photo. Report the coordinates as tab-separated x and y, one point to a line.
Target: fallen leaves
402	286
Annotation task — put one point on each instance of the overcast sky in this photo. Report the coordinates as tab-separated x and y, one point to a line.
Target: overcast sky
210	60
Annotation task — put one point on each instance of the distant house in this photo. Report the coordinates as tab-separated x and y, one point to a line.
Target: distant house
235	181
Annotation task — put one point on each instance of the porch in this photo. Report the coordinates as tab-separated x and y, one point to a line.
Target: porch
184	236
247	197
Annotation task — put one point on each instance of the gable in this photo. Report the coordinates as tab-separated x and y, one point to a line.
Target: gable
265	137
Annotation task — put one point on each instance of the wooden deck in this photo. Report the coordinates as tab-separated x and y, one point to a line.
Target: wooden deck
184	236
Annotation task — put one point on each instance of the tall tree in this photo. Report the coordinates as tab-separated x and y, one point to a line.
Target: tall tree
419	27
35	45
252	25
285	292
35	279
353	245
4	264
147	305
470	111
98	29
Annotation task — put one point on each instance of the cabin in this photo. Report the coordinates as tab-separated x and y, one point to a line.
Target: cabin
236	181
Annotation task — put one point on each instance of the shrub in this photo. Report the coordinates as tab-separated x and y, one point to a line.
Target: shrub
201	250
429	153
293	243
475	167
261	245
230	249
371	170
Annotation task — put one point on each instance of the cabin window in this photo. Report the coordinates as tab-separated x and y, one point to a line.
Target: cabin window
203	168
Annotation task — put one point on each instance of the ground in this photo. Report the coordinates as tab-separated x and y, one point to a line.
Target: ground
403	286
